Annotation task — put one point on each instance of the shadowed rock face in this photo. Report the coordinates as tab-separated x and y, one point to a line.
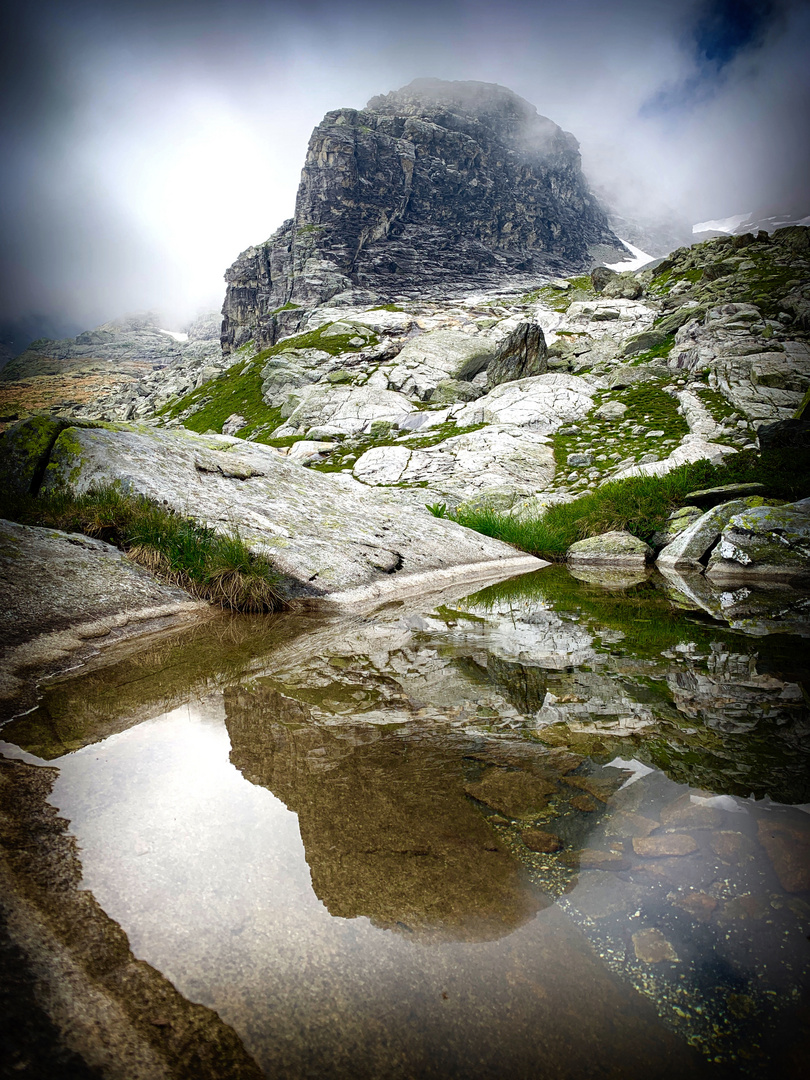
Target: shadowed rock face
388	830
432	185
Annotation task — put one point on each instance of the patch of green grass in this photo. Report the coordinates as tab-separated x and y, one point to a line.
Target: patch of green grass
641	504
358	445
718	406
658	352
239	389
216	567
647	404
289	306
387	307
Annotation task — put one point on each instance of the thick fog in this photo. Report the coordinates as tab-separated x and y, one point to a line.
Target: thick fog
145	145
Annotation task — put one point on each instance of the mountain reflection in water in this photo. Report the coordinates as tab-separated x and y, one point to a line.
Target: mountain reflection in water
506	834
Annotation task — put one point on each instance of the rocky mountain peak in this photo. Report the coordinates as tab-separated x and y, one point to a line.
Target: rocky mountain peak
434	187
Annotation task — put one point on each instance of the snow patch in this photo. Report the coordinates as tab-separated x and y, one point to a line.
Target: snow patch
176	334
724	225
640	258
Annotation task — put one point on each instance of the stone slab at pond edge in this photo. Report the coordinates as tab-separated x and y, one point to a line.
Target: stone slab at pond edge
64	593
332	537
611	549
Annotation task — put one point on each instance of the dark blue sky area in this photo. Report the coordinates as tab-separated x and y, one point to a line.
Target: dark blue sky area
727	26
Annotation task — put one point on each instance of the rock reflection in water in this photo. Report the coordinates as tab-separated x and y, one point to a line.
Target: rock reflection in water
487	889
388	830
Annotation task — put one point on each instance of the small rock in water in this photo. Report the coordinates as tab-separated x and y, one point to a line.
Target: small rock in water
584	803
788	848
731	847
538	840
595	859
651	947
697	904
656	847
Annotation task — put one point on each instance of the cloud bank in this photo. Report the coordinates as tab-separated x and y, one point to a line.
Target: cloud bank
145	145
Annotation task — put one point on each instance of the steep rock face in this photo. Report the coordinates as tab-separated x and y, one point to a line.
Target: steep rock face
432	185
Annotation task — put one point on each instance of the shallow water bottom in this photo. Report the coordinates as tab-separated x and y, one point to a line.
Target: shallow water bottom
458	840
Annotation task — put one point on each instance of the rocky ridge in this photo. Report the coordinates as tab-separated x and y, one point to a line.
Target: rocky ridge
433	187
127	360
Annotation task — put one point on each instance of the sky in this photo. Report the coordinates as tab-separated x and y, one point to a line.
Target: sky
143	145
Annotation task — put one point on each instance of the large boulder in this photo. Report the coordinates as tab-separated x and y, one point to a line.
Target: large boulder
543	403
765	541
692	545
495	459
24	450
784	433
431	358
323	410
522	355
616	549
330	535
625	285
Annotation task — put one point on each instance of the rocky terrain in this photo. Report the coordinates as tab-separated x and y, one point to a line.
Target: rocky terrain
547	393
433	188
128	358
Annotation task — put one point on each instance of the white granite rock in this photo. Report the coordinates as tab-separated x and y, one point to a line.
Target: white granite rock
328	533
692	448
431	358
343	410
495	459
543	402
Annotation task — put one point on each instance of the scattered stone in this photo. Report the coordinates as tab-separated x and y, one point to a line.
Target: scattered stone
657	847
698	904
611	410
788	848
731	847
617	549
580	460
538	840
651	947
515	794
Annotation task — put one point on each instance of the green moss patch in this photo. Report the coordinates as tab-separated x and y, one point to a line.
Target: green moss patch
239	389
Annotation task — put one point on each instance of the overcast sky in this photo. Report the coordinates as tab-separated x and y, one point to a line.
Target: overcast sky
144	145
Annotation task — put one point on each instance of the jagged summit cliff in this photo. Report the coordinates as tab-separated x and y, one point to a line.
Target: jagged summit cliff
438	184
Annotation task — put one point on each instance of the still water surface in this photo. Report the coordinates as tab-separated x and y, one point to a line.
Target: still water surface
551	829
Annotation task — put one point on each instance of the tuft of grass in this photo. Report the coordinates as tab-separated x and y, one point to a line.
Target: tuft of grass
640	505
216	567
439	510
